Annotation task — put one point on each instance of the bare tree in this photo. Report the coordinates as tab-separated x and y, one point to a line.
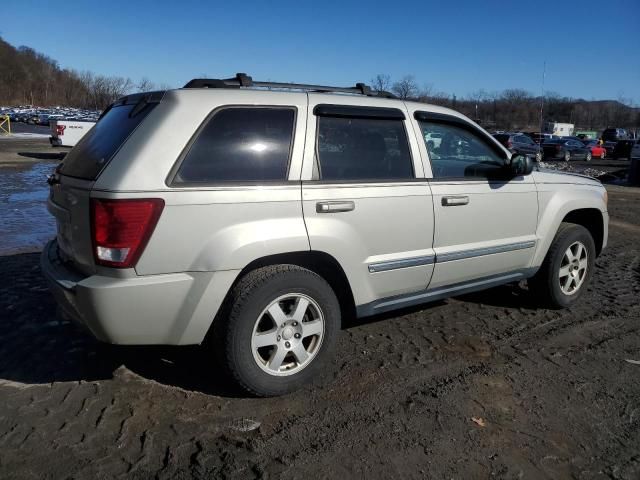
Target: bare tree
406	87
145	85
381	83
425	93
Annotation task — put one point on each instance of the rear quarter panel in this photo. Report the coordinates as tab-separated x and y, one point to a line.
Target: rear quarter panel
208	227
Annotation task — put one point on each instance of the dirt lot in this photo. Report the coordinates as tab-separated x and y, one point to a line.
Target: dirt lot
484	385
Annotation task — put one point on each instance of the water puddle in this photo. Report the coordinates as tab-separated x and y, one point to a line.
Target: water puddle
25	224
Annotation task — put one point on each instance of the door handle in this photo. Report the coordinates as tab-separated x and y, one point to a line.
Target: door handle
455	201
334	207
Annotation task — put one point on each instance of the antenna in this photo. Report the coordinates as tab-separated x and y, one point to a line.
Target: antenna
544	72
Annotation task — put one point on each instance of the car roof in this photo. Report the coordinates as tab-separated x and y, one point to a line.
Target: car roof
262	96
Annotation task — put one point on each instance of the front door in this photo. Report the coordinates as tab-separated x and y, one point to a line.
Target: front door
485	222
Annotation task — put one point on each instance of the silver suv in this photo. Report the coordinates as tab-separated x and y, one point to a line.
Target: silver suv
253	216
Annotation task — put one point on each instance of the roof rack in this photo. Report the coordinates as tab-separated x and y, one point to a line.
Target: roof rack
244	80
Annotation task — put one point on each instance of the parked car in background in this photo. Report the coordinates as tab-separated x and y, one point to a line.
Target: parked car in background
519	143
597	150
540	138
614	134
433	139
566	149
67	133
635	150
622	149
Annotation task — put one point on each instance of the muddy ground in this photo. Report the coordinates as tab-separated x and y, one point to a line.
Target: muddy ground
484	385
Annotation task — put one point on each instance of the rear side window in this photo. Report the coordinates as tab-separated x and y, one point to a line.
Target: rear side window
240	144
363	149
96	149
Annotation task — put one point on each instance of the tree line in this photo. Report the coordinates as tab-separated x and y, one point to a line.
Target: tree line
517	109
28	77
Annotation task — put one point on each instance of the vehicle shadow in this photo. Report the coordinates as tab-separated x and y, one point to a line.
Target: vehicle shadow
38	346
511	295
44	155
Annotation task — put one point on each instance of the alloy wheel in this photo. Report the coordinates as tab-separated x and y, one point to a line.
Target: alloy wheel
573	268
287	334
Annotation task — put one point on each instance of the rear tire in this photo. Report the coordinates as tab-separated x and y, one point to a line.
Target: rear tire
588	157
279	326
602	155
567	156
567	268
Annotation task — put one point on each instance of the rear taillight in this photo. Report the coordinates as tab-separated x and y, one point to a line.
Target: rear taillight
509	144
60	129
558	147
121	228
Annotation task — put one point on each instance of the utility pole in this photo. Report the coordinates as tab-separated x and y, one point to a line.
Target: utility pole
544	71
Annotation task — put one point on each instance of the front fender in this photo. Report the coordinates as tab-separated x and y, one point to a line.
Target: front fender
556	202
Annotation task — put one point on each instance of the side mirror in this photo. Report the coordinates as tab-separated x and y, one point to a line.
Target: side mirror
520	165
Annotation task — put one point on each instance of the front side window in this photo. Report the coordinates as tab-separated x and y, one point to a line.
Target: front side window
461	153
362	149
240	144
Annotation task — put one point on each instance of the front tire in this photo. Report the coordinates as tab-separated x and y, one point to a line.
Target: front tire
588	157
279	327
567	156
567	268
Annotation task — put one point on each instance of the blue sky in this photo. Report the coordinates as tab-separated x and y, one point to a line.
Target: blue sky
591	48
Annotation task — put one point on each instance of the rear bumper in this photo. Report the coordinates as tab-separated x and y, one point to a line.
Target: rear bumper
173	309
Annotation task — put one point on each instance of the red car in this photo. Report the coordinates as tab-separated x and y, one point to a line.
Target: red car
597	150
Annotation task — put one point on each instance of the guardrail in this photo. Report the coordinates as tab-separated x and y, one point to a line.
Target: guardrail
5	124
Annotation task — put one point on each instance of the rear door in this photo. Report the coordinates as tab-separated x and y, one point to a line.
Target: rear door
485	222
69	199
365	199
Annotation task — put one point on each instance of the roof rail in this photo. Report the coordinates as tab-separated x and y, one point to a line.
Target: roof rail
244	80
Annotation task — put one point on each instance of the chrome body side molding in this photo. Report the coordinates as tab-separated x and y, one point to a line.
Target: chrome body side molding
403	263
477	252
447	257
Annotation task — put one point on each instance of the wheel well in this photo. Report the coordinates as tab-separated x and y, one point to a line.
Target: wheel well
591	219
319	262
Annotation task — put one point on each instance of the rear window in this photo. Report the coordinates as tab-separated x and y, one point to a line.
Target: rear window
96	149
240	144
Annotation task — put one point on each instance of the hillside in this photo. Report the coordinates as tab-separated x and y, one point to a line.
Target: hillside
28	77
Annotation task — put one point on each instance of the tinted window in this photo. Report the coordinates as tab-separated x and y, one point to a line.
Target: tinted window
94	151
363	149
461	153
240	145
